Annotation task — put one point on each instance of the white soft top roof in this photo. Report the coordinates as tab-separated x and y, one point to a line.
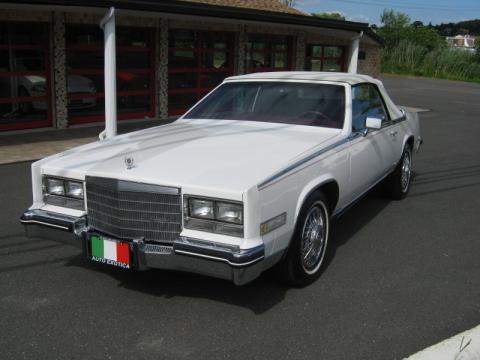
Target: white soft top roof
339	77
348	78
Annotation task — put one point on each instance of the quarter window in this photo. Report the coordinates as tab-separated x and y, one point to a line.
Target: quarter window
366	101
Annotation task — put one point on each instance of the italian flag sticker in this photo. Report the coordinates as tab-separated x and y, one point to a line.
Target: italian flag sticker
110	252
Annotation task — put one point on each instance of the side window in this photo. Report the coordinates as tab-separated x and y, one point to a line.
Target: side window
366	101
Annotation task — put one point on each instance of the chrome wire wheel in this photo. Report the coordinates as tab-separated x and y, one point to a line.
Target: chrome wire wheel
406	171
314	238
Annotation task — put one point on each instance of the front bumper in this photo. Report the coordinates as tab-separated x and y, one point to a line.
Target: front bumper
185	254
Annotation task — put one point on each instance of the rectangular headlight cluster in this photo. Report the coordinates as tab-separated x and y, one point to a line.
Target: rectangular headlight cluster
63	192
213	215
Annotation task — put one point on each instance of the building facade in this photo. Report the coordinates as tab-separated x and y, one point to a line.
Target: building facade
169	55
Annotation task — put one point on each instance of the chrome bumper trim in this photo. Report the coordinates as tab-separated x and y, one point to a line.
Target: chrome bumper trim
44	223
50	219
185	254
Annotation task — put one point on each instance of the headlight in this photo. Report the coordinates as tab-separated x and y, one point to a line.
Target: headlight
63	192
201	209
55	187
212	215
232	213
74	189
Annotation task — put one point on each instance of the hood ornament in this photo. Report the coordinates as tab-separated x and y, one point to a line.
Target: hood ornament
129	162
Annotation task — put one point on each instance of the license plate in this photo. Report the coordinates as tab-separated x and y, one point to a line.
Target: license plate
109	251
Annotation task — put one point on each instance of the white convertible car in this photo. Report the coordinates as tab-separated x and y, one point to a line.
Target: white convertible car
249	178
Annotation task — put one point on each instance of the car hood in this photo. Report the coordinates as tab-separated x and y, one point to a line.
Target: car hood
209	154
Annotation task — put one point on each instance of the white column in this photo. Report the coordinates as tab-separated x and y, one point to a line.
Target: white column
354	47
110	73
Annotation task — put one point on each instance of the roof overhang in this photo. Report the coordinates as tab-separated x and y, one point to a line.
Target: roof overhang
207	10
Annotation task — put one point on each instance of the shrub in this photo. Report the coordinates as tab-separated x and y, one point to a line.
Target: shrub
414	59
418	50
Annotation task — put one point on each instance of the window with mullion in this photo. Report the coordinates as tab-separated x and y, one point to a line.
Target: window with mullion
198	61
324	58
25	85
85	75
268	53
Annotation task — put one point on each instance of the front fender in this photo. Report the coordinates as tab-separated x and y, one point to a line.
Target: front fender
309	188
413	131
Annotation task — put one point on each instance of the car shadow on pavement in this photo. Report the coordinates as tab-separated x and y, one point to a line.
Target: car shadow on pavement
444	180
259	296
355	218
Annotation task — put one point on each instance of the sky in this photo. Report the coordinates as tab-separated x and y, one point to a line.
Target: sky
435	11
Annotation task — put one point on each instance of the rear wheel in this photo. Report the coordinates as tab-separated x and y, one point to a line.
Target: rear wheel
305	258
399	181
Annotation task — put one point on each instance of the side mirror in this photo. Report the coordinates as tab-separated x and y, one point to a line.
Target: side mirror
373	123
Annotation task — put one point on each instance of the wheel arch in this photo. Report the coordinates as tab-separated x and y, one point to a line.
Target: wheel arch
329	188
408	140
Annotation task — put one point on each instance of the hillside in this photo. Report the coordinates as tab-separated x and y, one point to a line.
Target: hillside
471	27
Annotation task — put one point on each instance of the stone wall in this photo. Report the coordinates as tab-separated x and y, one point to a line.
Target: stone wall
161	61
300	51
59	71
373	60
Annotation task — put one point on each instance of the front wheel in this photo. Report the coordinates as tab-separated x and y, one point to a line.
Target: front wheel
400	180
306	254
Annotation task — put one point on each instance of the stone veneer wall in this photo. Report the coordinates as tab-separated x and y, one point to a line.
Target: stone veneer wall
162	68
241	45
373	60
301	47
59	71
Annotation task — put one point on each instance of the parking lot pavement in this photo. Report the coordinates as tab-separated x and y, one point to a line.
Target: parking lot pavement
402	275
24	146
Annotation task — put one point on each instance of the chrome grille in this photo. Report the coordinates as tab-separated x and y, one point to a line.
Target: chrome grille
129	210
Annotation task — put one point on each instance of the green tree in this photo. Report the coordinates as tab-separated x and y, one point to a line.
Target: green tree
417	24
393	19
329	15
397	28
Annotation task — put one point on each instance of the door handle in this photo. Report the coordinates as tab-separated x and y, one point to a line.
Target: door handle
393	133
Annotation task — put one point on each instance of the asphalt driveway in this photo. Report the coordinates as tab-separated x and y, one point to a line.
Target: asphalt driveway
403	275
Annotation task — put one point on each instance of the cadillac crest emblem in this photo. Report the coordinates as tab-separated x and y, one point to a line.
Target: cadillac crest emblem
129	163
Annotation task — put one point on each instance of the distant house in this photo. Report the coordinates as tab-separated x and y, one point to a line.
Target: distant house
465	42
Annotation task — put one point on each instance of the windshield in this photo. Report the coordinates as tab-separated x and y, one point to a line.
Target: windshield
279	102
